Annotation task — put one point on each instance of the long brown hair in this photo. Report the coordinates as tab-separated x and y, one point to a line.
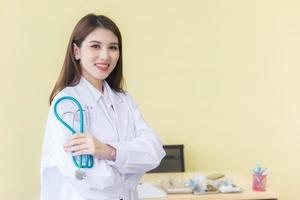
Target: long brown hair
71	71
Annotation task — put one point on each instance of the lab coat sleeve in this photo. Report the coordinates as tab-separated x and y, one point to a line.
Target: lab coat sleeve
144	152
100	177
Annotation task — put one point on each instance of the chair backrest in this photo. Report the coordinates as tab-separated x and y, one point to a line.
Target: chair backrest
173	161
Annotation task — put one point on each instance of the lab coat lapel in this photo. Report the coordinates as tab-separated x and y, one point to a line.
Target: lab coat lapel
121	111
103	125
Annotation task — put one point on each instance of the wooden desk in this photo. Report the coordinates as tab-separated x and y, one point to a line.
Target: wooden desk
243	182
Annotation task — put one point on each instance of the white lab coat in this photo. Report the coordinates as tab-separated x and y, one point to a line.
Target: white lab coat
119	124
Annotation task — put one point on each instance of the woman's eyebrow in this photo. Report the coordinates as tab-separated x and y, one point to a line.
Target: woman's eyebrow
95	41
98	42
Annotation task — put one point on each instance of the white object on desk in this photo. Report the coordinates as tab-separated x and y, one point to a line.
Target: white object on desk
148	190
183	190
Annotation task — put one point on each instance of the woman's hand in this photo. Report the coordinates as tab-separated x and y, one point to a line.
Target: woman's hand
86	143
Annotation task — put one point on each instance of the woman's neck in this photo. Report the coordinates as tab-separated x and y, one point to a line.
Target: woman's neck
98	84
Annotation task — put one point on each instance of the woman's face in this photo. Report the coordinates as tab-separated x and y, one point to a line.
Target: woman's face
98	54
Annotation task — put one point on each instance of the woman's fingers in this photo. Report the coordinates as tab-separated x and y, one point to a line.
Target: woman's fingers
83	149
86	144
73	142
82	152
80	144
78	148
78	139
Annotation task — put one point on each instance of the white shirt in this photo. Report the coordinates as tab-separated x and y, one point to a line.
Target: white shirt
114	119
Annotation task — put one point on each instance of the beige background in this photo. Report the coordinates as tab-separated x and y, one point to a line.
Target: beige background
219	76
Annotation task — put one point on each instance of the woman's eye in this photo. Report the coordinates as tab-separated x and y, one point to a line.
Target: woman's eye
114	48
96	46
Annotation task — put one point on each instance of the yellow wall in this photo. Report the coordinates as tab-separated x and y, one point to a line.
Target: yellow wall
222	77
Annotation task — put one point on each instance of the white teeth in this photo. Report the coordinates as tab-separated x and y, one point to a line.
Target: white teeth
102	65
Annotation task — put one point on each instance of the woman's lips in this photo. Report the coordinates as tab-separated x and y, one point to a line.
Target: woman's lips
102	66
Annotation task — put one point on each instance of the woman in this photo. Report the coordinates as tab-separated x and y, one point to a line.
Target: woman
121	144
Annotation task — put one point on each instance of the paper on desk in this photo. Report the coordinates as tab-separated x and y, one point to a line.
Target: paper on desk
148	190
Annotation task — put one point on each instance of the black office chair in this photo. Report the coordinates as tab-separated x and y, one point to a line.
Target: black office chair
173	161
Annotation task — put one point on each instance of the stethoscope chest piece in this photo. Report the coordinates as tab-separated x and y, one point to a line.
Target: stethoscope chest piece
80	174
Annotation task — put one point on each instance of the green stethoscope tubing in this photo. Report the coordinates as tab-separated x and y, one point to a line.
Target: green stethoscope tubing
89	159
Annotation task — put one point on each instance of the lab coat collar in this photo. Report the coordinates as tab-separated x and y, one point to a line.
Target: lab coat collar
96	93
107	93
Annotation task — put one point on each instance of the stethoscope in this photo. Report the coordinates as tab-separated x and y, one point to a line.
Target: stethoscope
82	161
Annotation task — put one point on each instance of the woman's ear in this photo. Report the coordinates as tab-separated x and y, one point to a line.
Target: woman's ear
76	51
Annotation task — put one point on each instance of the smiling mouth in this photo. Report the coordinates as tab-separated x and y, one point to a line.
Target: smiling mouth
102	67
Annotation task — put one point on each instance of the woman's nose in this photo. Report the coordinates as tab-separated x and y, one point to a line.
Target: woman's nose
104	54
